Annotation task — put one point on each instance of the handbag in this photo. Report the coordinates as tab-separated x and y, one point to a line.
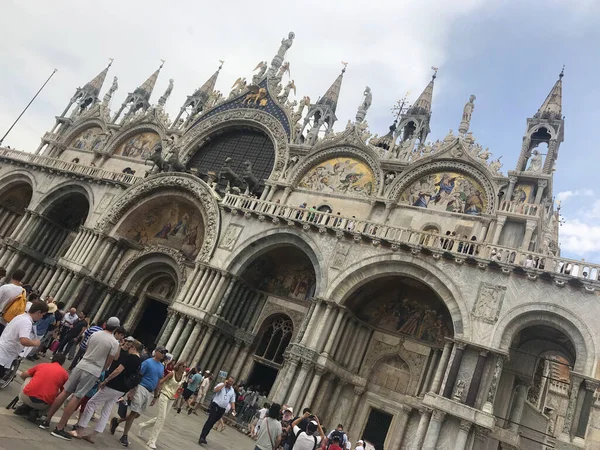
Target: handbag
269	432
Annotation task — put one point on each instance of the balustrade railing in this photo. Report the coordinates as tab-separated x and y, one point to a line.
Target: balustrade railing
525	209
461	248
81	169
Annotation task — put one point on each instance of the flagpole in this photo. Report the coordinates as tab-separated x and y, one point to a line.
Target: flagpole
28	104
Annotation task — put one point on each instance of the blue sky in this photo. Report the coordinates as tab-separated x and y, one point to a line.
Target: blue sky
507	53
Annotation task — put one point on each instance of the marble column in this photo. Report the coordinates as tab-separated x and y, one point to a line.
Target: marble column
463	434
21	226
476	379
183	339
52	282
304	325
203	344
191	342
281	396
341	338
351	414
422	427
105	249
433	431
239	360
231	356
480	437
169	327
314	385
530	227
176	332
518	403
335	398
298	383
312	321
459	349
511	187
207	289
319	336
213	301
196	298
401	424
434	362
230	298
255	303
488	406
364	338
586	408
63	286
500	221
114	264
215	354
571	406
207	300
208	353
350	342
334	331
110	262
132	316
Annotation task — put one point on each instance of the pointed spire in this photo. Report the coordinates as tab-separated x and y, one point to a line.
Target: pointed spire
333	93
94	86
148	86
423	103
552	106
209	86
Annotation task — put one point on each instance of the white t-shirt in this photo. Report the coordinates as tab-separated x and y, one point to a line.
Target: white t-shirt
262	413
100	345
7	293
69	318
224	397
10	346
204	385
304	441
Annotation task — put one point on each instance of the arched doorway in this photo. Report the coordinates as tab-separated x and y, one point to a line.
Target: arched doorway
14	200
271	342
158	296
239	144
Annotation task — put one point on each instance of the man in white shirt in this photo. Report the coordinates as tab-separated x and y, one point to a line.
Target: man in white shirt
19	333
360	445
307	440
224	395
10	291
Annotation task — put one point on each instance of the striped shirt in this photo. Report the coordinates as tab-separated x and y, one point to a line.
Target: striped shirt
86	336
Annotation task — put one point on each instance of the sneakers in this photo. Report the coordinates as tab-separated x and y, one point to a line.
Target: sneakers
151	445
114	423
62	434
124	441
45	425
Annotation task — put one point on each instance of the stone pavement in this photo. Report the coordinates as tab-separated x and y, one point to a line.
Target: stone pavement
179	433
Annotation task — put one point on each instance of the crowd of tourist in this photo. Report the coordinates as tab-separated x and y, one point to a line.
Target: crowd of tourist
109	368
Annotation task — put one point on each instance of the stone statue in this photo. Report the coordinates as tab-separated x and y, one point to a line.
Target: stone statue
468	110
495	166
460	388
227	173
238	87
174	163
285	45
286	91
283	69
111	91
262	68
291	164
535	163
157	159
485	155
167	94
252	182
366	104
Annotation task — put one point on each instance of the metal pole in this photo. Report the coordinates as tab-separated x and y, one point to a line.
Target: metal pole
28	104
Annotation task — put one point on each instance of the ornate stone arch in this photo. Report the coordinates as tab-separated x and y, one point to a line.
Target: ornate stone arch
417	172
185	182
262	242
267	319
380	351
150	255
360	273
82	126
323	154
550	129
555	316
134	129
15	176
238	117
62	189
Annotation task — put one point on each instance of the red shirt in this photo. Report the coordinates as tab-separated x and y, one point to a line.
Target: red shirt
47	381
335	447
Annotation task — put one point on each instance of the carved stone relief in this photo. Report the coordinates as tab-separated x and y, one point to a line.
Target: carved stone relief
230	237
489	302
340	254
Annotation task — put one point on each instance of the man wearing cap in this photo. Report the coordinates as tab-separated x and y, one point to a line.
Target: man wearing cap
224	395
146	393
101	350
360	445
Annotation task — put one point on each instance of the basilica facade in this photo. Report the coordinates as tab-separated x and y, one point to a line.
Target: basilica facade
407	289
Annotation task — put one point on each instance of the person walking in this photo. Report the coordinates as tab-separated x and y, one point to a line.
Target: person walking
102	349
19	333
224	395
74	332
269	434
146	393
192	387
117	383
83	344
168	386
203	390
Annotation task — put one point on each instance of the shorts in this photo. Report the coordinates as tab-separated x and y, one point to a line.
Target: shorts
187	394
80	382
141	400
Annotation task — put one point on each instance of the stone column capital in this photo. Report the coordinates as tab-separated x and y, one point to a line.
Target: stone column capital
407	409
513	179
542	183
438	415
465	425
359	390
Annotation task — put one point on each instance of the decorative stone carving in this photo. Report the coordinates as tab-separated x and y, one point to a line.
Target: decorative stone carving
458	390
230	237
340	254
489	302
201	192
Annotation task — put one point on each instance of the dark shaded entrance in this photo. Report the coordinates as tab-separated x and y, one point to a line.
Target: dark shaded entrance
149	326
262	376
377	428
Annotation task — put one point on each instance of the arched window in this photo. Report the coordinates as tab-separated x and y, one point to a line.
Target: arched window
275	339
393	374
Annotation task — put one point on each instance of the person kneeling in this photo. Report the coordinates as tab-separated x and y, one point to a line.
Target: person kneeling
47	381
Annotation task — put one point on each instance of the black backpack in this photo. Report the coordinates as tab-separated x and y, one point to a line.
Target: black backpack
134	379
339	434
314	437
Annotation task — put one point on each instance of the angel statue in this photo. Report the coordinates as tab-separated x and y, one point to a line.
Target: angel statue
366	104
286	44
535	163
238	87
262	68
167	94
495	166
283	69
286	91
468	110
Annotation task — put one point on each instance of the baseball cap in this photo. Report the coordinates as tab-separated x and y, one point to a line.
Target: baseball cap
288	408
129	339
113	322
161	349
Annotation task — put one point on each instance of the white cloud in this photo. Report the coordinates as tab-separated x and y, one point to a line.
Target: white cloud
566	195
390	47
580	239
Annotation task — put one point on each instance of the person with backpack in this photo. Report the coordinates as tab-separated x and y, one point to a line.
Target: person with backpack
121	379
339	433
307	440
13	298
291	436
